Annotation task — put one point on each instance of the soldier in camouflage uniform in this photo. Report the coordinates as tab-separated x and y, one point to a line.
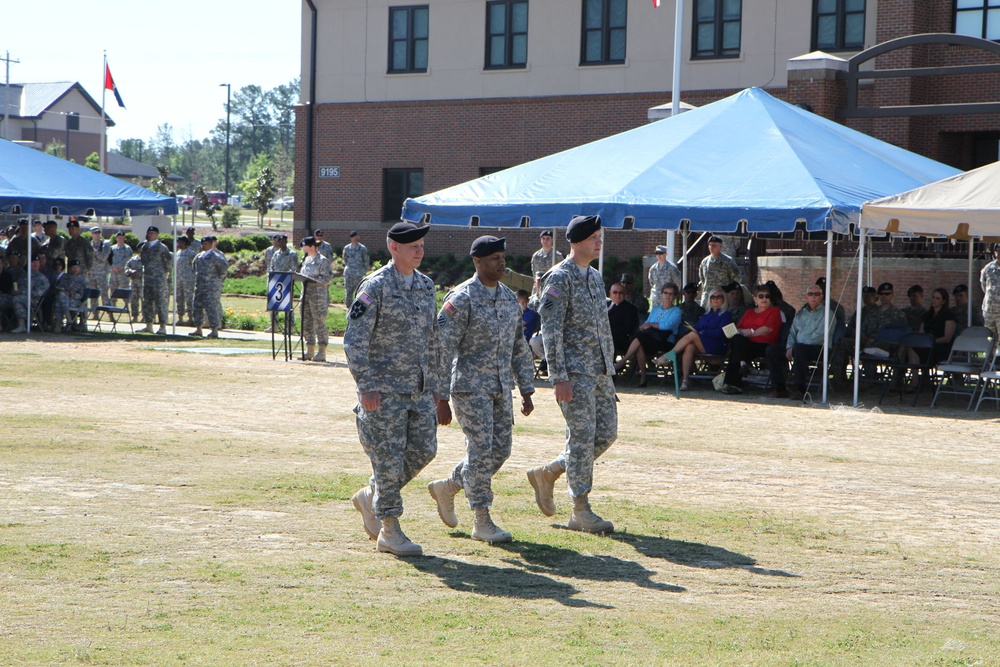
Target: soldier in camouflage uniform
72	286
663	271
101	270
356	265
184	266
392	349
282	259
580	356
133	272
962	308
39	286
882	315
54	244
210	269
156	261
989	279
716	270
79	248
315	300
120	255
544	258
484	351
322	247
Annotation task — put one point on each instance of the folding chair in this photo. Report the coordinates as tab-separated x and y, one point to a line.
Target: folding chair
88	294
671	356
991	380
962	371
879	369
917	371
114	312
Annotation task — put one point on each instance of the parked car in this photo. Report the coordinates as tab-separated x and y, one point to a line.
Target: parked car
285	204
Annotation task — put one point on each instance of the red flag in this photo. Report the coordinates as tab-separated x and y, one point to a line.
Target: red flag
109	84
656	3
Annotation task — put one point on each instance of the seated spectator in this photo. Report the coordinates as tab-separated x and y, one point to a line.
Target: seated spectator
706	337
691	310
23	305
939	321
623	318
758	328
735	303
803	346
633	294
914	313
73	286
787	309
961	309
657	334
881	315
838	310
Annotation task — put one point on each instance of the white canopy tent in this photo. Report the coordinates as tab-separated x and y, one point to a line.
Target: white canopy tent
964	207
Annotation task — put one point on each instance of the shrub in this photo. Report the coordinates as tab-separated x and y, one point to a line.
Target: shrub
230	216
226	245
261	241
131	240
241	243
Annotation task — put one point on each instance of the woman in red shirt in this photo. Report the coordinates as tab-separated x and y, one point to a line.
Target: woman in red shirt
758	328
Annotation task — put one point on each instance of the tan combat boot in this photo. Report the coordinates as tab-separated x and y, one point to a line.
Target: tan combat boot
320	354
363	503
197	333
310	352
583	519
392	540
214	333
443	492
542	480
487	531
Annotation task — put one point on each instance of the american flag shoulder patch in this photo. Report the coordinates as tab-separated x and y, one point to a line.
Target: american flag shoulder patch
553	292
365	299
449	308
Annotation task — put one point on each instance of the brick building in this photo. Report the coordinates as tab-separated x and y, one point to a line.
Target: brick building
409	99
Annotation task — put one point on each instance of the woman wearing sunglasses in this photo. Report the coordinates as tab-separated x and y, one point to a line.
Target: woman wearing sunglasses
707	336
657	334
758	328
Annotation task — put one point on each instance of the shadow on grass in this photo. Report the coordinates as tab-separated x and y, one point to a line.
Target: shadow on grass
694	554
503	582
547	559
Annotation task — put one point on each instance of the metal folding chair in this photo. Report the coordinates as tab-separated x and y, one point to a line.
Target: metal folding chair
115	313
919	371
961	373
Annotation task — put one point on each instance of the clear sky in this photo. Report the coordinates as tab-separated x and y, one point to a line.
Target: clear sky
167	58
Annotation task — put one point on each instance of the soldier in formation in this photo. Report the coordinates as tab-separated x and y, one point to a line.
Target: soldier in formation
120	255
322	247
70	302
210	269
580	356
133	272
100	271
544	258
281	259
184	267
716	270
315	300
54	244
156	260
79	248
392	349
23	306
484	352
356	265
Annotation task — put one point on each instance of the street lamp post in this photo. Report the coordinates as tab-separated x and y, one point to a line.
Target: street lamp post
229	90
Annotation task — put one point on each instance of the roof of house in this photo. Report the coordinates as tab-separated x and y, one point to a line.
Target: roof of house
125	167
31	100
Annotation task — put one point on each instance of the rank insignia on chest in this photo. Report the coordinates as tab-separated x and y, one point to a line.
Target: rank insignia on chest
449	308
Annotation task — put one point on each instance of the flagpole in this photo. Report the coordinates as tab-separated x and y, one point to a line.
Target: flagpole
675	86
104	123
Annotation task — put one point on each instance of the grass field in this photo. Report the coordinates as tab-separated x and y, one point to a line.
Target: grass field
168	508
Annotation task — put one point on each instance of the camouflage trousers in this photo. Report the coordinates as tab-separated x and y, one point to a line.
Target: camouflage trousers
119	279
155	301
100	281
185	298
207	305
351	284
992	320
487	421
314	312
136	299
591	426
400	439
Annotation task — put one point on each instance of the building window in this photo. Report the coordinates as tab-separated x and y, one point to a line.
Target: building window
603	40
397	186
717	28
408	39
978	18
838	25
506	34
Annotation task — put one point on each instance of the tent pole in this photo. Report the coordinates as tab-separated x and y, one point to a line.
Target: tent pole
173	319
968	308
30	239
684	254
857	315
826	314
672	247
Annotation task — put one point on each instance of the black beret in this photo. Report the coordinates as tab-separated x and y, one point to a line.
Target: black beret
691	287
868	289
885	287
153	228
407	232
308	241
22	221
581	227
206	239
714	239
731	287
821	282
914	289
547	232
960	288
318	232
280	237
485	246
74	262
48	222
627	279
189	230
71	223
352	235
119	234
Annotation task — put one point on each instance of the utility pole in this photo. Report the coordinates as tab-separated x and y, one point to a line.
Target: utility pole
6	93
229	90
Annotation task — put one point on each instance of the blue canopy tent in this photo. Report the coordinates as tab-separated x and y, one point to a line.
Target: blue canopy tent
747	163
35	183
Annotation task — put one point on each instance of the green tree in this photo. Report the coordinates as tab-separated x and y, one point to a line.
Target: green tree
93	161
160	185
57	148
259	186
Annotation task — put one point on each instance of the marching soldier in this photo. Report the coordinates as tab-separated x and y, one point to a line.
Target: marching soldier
484	352
392	350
